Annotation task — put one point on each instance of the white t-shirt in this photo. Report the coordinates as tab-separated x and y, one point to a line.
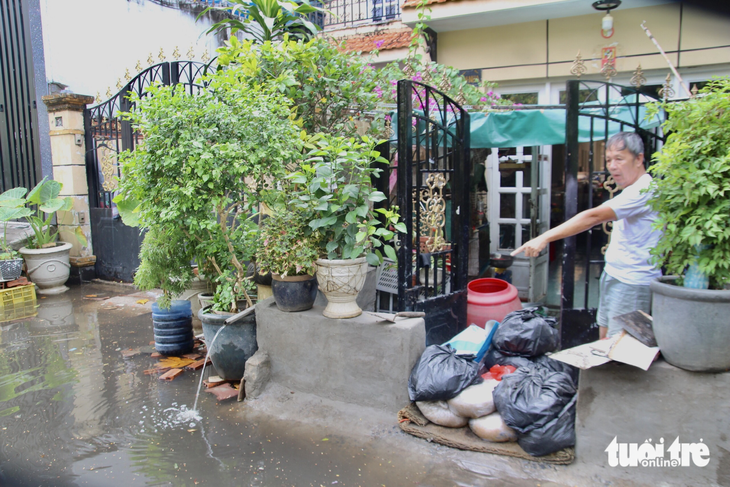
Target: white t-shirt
627	257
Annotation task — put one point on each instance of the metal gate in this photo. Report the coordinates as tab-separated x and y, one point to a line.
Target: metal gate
594	111
433	195
20	155
116	245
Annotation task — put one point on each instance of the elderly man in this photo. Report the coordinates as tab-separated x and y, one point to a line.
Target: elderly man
625	280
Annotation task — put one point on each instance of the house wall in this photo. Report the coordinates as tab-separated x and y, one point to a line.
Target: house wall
547	48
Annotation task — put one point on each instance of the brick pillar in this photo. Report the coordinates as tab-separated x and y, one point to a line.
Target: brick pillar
68	152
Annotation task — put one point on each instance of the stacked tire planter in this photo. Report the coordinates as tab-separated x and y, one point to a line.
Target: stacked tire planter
173	328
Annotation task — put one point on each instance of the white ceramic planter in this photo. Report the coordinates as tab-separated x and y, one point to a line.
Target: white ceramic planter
48	268
341	281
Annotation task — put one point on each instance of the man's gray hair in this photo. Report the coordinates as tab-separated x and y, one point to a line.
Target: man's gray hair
626	140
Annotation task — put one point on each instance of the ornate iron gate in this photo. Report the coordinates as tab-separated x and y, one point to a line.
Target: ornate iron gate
433	196
116	245
595	111
20	155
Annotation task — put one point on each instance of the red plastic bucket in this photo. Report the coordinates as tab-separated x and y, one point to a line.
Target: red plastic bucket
490	299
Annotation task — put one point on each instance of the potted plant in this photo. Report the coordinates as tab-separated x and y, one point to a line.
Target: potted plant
204	163
11	262
47	261
289	249
692	196
333	187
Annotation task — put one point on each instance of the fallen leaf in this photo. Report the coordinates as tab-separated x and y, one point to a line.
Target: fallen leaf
192	429
142	301
92	296
173	363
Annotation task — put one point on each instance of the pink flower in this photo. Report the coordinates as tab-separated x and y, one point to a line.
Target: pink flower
484	98
379	44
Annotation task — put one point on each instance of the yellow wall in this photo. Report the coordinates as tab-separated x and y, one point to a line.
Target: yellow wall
543	49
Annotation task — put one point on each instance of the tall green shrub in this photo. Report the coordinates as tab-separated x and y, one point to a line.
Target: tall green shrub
692	184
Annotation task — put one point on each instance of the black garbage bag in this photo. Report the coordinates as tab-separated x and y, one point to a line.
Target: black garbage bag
526	333
440	374
495	357
531	397
555	435
558	366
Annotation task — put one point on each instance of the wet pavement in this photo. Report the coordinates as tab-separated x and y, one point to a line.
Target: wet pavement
75	411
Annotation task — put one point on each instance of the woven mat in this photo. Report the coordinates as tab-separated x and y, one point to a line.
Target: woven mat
413	422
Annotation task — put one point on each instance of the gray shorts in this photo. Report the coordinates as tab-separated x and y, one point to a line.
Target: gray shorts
617	299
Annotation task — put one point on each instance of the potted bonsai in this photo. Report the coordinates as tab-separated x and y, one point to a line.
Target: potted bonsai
47	261
289	249
692	196
333	187
205	162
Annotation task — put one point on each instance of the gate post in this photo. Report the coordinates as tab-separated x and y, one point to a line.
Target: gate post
68	152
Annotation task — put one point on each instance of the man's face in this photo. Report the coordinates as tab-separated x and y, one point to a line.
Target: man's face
624	166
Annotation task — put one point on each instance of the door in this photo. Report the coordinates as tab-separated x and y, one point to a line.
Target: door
519	209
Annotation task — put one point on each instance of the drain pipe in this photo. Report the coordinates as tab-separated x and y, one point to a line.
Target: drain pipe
666	58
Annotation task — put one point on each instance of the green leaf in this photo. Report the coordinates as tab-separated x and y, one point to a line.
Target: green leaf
376	196
390	252
13	194
373	259
81	237
351	217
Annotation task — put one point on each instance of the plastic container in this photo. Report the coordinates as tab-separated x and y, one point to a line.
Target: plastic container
173	328
490	299
18	296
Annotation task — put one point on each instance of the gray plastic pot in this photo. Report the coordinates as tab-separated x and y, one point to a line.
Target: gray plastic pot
692	326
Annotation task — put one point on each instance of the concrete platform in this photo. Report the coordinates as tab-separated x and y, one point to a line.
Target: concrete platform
665	402
360	360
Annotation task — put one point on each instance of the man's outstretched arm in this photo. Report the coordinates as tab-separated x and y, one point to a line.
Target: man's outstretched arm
581	222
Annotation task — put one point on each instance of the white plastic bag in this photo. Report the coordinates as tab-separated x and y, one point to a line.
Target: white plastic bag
492	428
438	412
475	401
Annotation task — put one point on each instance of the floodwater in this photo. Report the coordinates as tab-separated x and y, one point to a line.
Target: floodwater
75	411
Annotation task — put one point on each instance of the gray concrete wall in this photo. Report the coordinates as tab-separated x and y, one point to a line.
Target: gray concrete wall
359	360
617	400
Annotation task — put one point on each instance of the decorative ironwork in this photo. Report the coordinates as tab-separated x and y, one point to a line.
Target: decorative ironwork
694	91
109	92
161	55
138	66
433	201
609	71
150	60
119	83
578	68
445	84
176	53
191	52
426	76
127	76
666	91
408	69
638	80
460	97
98	97
108	169
609	185
205	56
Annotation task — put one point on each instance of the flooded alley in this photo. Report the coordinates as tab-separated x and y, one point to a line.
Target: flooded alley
76	408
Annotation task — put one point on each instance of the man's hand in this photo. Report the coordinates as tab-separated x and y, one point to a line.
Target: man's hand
532	248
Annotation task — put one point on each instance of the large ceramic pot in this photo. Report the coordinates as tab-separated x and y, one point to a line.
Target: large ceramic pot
294	293
48	268
691	325
341	281
229	346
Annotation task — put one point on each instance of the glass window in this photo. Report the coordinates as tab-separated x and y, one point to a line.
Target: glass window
507	205
506	236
